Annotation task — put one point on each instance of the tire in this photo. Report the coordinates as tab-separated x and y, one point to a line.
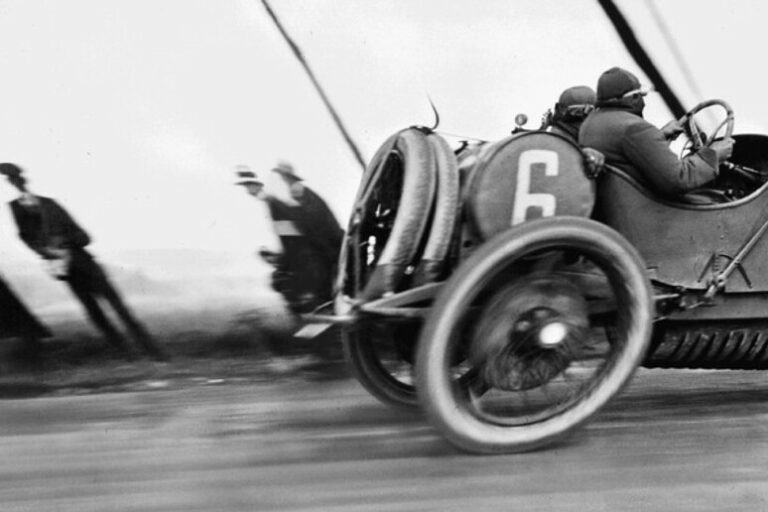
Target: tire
393	208
488	277
434	259
379	367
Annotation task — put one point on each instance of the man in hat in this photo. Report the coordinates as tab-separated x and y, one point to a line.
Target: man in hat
570	111
297	275
247	179
572	108
317	221
49	230
617	129
283	215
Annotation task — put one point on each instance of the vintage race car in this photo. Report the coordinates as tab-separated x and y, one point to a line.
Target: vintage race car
512	295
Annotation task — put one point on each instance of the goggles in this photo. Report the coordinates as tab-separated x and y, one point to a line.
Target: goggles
578	110
636	92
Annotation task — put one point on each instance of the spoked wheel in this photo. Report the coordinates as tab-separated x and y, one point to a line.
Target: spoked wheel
523	321
387	231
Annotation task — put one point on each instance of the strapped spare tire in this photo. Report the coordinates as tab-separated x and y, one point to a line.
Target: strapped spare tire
433	260
390	216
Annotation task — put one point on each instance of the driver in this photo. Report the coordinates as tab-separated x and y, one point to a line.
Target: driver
617	129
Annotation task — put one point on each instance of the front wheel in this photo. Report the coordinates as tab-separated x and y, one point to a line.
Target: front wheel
523	321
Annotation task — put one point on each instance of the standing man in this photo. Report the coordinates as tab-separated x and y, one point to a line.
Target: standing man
52	233
617	129
317	220
298	276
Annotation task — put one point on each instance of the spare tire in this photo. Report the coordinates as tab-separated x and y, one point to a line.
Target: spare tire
390	216
433	260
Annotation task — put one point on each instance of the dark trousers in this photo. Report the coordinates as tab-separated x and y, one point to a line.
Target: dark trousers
89	282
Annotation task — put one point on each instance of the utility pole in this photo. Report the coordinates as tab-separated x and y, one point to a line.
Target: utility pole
297	52
641	57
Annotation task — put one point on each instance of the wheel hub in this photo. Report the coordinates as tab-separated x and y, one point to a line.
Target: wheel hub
552	334
527	332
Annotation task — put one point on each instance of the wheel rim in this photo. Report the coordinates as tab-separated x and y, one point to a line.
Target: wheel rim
378	355
486	418
525	341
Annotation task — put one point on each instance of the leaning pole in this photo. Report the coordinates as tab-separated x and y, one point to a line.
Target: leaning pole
300	57
641	57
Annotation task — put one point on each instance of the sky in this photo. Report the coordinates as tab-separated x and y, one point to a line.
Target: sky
134	113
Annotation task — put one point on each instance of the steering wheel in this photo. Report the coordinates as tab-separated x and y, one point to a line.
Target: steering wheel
697	140
694	132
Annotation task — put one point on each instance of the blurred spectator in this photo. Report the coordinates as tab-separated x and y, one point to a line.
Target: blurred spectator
300	274
52	233
316	221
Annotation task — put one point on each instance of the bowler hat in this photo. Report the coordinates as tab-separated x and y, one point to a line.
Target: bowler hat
286	170
10	170
616	83
247	178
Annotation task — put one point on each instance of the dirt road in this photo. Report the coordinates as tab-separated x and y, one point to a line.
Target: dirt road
673	441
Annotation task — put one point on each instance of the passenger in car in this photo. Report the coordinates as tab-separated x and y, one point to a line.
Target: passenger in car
617	129
571	109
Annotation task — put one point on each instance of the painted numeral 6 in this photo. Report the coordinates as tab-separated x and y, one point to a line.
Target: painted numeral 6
524	199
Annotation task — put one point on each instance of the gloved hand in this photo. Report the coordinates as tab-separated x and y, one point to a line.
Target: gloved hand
723	148
595	161
672	129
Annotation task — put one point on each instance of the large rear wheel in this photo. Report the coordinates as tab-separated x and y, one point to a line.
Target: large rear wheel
523	321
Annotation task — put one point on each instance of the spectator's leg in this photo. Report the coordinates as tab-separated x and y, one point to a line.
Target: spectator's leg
97	316
139	332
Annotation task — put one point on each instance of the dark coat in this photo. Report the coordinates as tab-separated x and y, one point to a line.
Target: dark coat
565	130
639	148
284	216
302	273
319	224
49	225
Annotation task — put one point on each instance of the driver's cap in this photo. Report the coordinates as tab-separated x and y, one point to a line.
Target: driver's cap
616	83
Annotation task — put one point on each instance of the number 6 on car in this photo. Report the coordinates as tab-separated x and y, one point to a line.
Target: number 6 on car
524	199
525	177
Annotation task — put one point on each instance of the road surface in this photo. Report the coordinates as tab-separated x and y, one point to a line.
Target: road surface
674	441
